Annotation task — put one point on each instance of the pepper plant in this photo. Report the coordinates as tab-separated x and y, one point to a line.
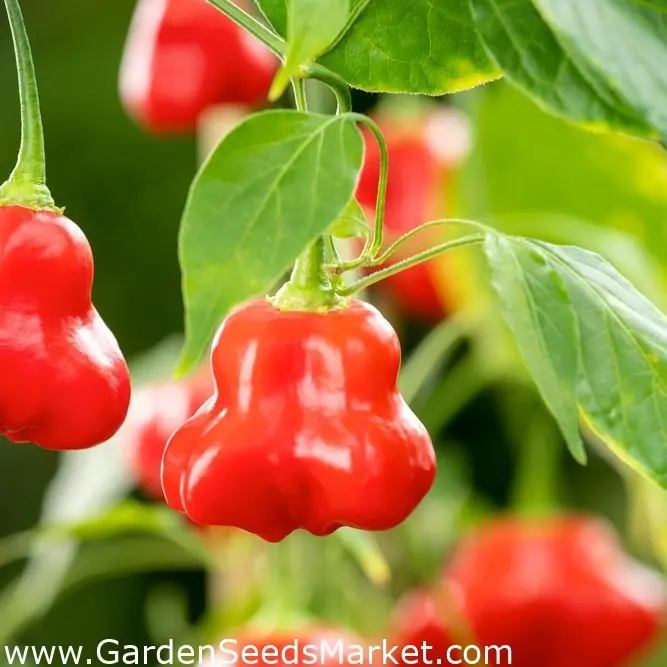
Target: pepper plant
275	189
305	427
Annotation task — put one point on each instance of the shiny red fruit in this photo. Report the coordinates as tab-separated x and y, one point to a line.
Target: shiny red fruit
306	429
560	593
65	384
184	56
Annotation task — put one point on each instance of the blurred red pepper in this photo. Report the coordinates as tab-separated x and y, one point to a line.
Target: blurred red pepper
423	151
304	646
66	384
306	429
184	56
560	592
420	618
159	410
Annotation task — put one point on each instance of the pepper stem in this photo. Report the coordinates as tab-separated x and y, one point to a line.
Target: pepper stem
309	287
26	185
408	263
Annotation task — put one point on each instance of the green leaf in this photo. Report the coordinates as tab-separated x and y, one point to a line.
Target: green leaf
579	59
531	56
119	558
425	47
625	44
623	250
312	27
275	12
351	223
595	346
129	538
128	517
272	185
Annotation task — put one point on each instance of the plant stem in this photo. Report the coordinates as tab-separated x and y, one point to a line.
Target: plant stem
337	85
536	480
309	287
308	266
278	47
26	185
431	253
375	244
386	255
300	99
273	42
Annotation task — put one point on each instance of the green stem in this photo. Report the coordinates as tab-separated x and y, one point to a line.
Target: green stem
300	98
337	85
536	478
386	255
26	185
424	256
330	251
274	43
278	47
373	247
309	287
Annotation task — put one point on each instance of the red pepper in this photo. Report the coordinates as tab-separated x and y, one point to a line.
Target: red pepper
305	646
422	154
160	410
306	428
66	384
420	618
184	56
559	592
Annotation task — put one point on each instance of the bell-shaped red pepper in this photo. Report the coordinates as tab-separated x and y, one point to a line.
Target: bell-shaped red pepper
158	411
65	382
423	150
184	56
306	428
560	592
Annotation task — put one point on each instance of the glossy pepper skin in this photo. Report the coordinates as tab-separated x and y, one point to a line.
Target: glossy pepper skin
306	428
66	384
160	410
299	647
560	592
184	56
419	618
420	165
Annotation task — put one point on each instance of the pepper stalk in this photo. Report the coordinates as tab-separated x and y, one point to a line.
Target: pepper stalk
26	185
